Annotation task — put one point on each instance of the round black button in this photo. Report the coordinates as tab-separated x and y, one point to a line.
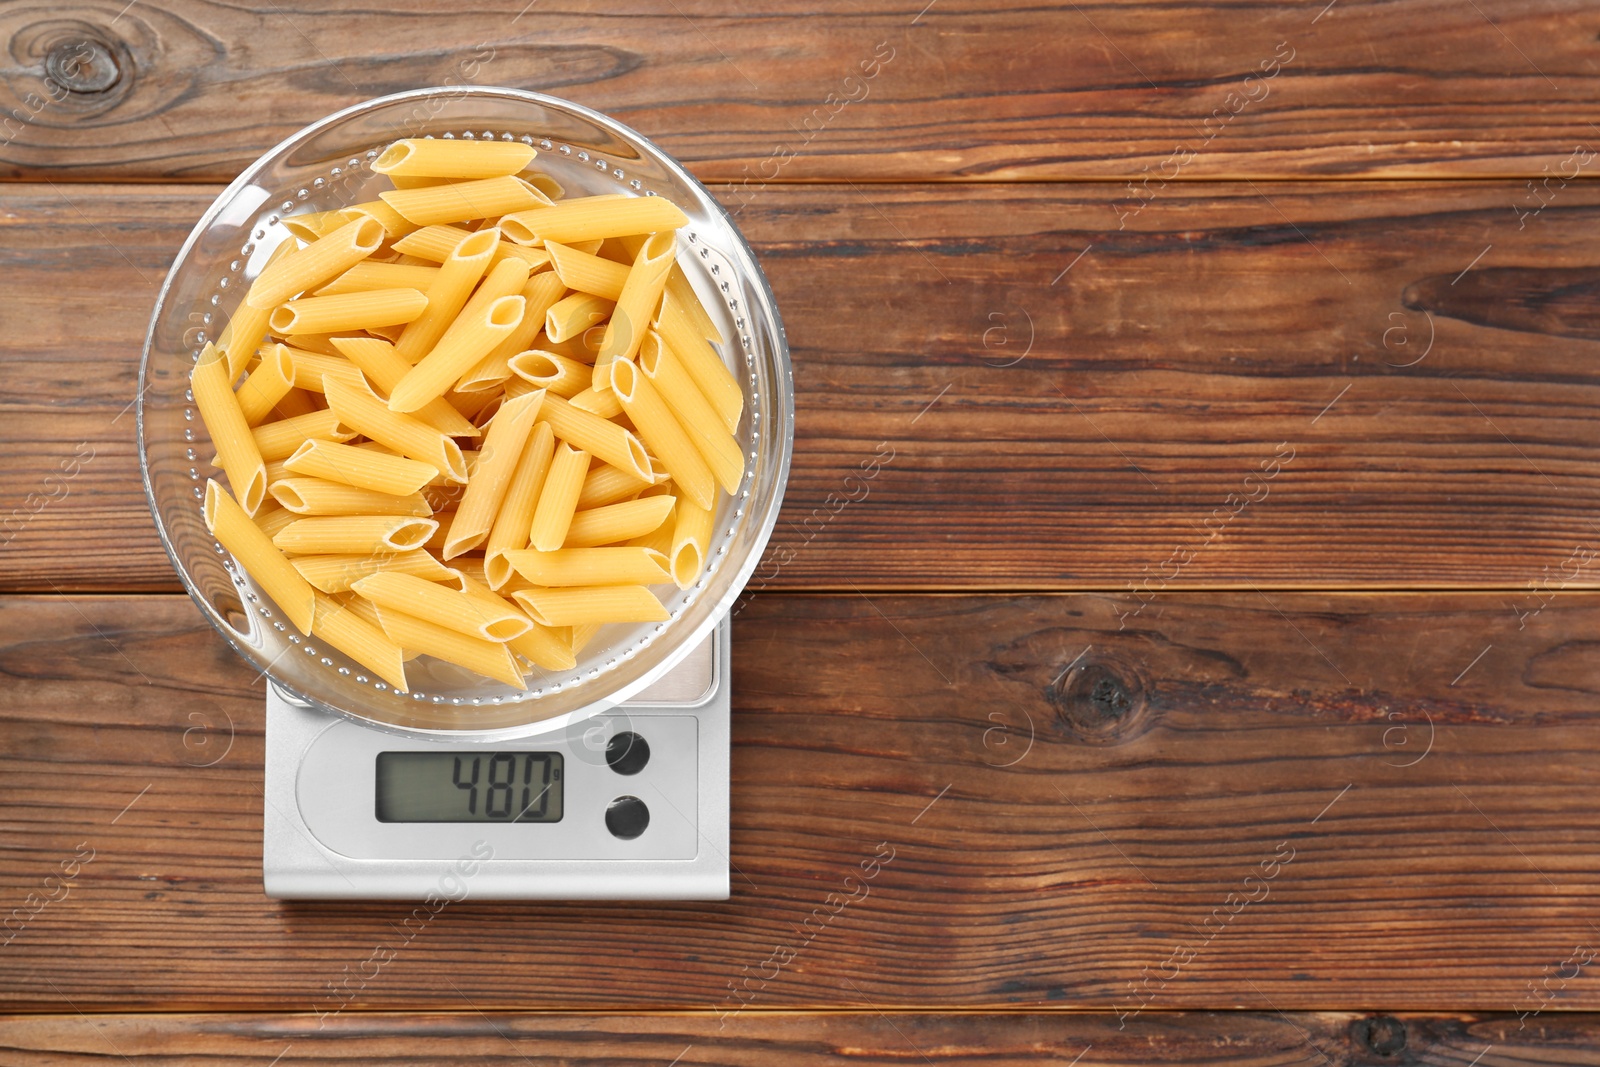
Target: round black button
627	752
627	817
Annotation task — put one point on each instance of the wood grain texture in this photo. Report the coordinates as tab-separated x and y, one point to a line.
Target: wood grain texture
464	1039
1384	384
1293	802
194	90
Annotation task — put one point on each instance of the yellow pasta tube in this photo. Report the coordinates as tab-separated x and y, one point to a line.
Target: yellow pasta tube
587	273
351	311
715	380
312	342
591	604
590	566
308	226
317	496
247	326
431	157
310	368
490	316
384	368
473	616
367	276
260	559
585	218
618	522
434	243
570	316
662	434
295	402
605	404
549	647
693	411
345	629
484	198
535	258
683	293
560	375
558	499
660	539
317	263
515	517
489	658
581	348
269	383
412	438
691	539
346	534
601	438
336	573
361	468
278	440
497	462
583	634
460	272
393	223
607	485
272	521
637	306
237	450
541	292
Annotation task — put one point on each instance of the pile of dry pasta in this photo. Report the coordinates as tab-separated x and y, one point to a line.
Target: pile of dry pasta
556	339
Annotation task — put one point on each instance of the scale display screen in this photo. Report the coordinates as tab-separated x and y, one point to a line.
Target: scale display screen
475	786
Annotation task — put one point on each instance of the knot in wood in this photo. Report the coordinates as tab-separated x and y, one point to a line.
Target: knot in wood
1383	1035
1098	704
82	65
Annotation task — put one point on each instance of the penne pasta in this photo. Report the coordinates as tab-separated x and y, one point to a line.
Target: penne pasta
351	311
601	438
336	573
450	608
247	327
560	375
455	159
590	566
693	411
238	452
278	440
489	658
548	647
558	499
310	368
660	539
662	434
514	520
615	523
540	293
487	318
684	296
497	462
573	314
346	534
586	218
484	198
295	402
366	276
393	223
269	383
256	555
587	273
361	468
412	438
384	368
317	263
715	380
270	522
433	243
607	485
312	342
458	275
605	404
637	306
592	604
345	629
318	496
691	538
583	634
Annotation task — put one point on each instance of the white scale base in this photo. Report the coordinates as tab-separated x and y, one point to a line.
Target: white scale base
322	839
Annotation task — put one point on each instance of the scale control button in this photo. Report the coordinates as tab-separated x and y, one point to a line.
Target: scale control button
627	817
627	752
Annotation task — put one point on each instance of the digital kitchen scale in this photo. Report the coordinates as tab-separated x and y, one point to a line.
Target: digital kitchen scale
627	804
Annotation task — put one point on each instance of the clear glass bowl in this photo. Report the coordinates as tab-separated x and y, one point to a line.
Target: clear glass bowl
327	165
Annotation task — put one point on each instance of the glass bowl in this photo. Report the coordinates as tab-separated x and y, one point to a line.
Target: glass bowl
328	165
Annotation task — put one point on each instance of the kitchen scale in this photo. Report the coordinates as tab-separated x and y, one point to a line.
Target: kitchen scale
630	803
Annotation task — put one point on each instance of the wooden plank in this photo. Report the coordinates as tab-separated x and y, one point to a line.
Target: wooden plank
193	91
1028	418
1297	802
1337	1039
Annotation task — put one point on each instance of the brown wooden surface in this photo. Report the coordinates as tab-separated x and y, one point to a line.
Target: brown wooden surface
992	89
1068	806
1089	429
872	1039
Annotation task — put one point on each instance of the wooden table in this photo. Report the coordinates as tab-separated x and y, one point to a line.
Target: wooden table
1207	674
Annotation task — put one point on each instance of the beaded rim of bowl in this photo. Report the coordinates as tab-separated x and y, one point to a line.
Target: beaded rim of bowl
730	509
